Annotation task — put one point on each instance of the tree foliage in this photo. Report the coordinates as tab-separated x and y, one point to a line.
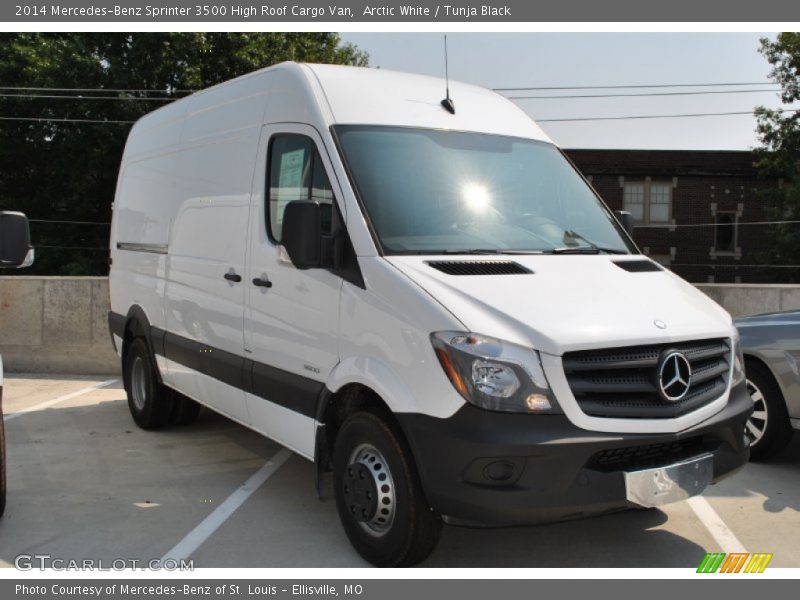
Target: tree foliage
66	171
779	154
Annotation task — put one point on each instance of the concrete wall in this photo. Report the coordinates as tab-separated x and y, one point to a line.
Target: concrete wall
58	324
752	299
55	325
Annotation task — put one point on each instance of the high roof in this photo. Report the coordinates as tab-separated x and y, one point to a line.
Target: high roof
360	95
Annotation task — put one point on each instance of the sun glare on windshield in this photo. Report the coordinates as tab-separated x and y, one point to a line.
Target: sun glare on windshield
476	197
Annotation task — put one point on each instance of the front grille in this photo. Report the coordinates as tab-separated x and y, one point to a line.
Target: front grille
649	456
622	382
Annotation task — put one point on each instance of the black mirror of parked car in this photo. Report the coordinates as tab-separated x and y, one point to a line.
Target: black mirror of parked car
15	240
302	233
626	220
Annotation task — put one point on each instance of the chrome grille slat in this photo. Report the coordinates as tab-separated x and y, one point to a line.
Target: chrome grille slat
622	382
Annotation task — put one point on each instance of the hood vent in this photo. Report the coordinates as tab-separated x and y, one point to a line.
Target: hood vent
479	267
638	266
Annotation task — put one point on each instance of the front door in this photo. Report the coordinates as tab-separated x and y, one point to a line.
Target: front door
291	315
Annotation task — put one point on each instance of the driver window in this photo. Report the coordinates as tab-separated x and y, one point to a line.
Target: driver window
296	172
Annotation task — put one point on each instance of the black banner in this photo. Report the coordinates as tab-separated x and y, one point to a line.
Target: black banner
455	11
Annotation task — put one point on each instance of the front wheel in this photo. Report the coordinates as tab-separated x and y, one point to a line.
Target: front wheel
768	428
379	496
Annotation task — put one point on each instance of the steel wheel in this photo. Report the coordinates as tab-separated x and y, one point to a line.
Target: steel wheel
757	423
369	490
138	383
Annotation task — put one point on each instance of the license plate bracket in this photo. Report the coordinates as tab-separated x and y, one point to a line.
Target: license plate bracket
671	483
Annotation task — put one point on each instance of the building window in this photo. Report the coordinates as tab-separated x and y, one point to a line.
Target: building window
648	201
726	232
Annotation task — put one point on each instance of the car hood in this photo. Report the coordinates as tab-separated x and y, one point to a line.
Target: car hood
571	302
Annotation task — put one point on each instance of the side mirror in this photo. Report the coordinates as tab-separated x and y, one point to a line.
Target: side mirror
301	234
626	220
15	240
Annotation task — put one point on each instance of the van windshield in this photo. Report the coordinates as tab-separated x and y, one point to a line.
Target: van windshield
438	192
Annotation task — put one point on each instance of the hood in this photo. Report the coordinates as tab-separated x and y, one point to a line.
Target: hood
571	302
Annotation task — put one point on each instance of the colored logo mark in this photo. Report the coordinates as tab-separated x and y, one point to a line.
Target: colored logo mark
741	562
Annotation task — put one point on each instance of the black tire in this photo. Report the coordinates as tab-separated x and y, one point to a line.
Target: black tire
184	410
413	529
771	416
149	401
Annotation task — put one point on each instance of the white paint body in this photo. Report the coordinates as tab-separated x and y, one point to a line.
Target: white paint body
192	182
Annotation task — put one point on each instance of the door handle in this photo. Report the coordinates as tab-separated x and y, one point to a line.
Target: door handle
234	277
258	281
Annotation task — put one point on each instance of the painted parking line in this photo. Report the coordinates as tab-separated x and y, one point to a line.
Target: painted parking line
195	538
727	540
64	398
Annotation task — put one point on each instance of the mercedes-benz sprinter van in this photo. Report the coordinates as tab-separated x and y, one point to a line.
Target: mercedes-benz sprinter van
15	253
425	298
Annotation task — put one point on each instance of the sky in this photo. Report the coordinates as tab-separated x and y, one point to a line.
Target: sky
505	60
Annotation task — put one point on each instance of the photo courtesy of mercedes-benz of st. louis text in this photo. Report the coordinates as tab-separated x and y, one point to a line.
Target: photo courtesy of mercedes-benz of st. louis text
410	285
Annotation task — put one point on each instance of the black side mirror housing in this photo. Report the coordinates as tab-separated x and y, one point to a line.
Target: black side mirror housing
301	234
626	220
15	240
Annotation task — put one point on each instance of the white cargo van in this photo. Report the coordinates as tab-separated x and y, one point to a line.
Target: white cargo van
15	253
422	297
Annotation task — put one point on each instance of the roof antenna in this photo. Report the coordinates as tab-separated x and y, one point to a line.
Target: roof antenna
447	103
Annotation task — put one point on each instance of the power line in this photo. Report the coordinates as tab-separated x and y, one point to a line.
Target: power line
43	119
99	89
719	114
667	225
647	94
734	266
626	87
61	97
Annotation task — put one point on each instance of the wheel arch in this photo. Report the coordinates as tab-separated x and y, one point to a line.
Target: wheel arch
765	362
137	324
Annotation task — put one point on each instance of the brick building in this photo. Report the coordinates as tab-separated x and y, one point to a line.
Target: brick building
688	206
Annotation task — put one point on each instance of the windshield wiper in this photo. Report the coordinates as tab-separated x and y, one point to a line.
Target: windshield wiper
592	248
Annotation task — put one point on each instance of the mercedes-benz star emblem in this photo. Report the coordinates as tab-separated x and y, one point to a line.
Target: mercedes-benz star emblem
674	376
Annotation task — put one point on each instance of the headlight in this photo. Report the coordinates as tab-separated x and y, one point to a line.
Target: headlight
738	362
494	374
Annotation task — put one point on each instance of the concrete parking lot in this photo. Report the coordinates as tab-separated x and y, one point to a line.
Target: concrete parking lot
85	482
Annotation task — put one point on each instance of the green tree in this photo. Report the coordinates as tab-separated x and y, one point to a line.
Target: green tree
779	154
60	170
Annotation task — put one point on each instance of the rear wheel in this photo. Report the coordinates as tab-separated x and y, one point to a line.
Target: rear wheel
379	496
149	401
768	428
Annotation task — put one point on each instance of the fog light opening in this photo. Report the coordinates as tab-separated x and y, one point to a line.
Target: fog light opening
537	403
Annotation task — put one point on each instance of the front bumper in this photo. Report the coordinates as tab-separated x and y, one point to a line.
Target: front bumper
497	469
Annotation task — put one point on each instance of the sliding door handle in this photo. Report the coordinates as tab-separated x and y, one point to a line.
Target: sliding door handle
234	277
260	282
